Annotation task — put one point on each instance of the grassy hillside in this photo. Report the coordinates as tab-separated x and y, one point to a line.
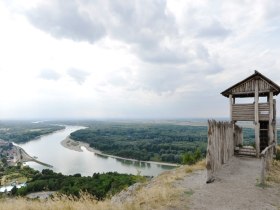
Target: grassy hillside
156	194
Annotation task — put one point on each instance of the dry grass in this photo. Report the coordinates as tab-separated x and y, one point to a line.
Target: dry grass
159	193
274	172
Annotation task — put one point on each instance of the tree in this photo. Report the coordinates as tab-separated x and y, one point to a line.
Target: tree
4	161
14	190
197	155
188	158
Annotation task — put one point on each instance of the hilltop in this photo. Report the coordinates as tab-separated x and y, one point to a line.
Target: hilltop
236	187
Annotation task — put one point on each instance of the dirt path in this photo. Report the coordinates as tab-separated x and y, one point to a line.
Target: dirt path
234	188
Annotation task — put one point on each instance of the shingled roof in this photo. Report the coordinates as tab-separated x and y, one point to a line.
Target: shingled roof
246	88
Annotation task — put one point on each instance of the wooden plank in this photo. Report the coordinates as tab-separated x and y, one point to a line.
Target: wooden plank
264	118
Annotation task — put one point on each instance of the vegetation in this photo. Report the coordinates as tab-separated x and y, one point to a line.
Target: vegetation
98	185
277	153
191	158
143	141
274	170
23	131
150	141
161	193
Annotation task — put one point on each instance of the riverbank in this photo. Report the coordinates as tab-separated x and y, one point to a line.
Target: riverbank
77	146
22	156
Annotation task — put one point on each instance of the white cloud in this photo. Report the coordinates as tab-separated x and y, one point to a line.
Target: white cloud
152	58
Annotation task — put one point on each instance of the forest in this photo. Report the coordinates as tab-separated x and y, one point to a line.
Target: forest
98	185
164	142
145	141
24	131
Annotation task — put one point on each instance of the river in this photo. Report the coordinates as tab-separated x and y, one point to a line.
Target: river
49	150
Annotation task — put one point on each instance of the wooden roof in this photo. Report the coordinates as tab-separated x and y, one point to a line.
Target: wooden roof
246	88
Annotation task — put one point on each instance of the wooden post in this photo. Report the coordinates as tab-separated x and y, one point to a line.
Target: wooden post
230	107
274	122
231	102
262	169
257	124
270	128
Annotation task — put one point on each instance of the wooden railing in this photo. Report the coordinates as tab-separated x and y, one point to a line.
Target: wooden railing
266	158
245	112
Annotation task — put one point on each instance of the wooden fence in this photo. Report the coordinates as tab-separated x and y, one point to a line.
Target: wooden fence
266	159
222	138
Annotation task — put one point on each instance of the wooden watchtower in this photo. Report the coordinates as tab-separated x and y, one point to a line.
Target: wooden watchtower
262	114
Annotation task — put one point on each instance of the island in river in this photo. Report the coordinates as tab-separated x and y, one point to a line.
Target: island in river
77	146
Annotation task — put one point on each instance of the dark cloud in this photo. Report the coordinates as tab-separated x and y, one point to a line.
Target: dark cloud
143	24
78	75
66	20
49	74
146	25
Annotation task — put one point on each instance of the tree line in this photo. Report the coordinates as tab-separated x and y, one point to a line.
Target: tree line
149	142
24	131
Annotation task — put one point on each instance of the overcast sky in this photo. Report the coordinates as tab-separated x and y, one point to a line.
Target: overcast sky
132	59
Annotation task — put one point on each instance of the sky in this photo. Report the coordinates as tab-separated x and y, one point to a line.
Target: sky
162	59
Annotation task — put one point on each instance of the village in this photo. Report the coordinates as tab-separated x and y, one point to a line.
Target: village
8	153
9	156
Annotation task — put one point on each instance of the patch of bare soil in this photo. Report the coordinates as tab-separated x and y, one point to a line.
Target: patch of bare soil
236	187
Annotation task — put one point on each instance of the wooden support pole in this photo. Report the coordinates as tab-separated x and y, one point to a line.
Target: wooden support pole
230	107
270	126
262	170
257	124
274	122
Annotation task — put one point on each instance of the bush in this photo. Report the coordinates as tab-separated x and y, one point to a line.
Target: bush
191	158
277	153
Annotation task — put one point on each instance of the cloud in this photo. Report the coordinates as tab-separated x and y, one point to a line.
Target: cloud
66	20
157	55
145	25
213	30
78	75
49	74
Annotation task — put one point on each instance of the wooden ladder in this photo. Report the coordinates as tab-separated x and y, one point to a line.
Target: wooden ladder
245	151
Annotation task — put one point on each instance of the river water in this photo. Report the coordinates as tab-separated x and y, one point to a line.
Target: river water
49	150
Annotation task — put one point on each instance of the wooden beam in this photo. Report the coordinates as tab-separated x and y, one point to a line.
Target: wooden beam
230	106
274	121
270	126
257	124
